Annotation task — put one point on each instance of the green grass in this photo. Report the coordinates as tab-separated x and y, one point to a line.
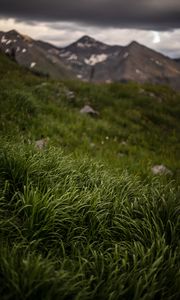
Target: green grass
134	130
71	230
85	218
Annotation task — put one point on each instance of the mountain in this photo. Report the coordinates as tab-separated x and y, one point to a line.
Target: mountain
177	60
38	56
85	53
141	64
90	60
98	62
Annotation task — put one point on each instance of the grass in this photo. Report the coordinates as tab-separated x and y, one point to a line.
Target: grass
70	230
135	130
84	218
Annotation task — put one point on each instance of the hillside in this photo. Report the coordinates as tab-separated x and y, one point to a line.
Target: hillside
82	216
137	125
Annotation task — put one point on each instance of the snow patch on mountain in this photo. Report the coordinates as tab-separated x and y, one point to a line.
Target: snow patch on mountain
81	45
94	59
3	39
32	65
126	55
158	63
73	57
8	42
65	54
88	45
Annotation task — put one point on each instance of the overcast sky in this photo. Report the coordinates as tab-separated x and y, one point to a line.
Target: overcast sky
155	23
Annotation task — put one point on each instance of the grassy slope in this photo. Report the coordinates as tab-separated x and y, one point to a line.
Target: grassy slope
69	227
134	130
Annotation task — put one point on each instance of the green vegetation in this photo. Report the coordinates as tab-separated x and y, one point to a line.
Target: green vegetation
84	218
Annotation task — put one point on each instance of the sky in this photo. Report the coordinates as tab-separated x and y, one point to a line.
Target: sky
154	23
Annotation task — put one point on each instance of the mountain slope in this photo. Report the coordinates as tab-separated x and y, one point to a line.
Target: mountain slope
33	55
141	64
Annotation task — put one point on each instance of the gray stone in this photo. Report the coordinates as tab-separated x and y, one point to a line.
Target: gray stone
89	111
41	144
161	170
70	95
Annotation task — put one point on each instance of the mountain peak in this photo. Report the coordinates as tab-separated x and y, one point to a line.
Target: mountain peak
12	32
134	44
86	39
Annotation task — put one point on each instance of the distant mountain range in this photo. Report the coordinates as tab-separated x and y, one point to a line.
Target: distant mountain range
90	60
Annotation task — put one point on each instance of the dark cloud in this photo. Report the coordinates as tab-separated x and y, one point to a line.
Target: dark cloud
144	14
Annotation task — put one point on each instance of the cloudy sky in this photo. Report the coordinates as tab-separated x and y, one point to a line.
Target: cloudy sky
155	23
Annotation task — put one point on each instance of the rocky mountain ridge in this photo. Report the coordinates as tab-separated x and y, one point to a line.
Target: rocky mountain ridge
90	60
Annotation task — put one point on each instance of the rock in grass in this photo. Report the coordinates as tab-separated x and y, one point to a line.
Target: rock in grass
161	170
41	144
70	94
89	111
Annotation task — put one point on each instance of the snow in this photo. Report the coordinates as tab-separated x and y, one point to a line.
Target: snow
53	51
94	59
138	71
24	50
126	55
72	57
81	45
65	54
7	51
158	63
3	39
8	42
79	76
32	64
86	45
